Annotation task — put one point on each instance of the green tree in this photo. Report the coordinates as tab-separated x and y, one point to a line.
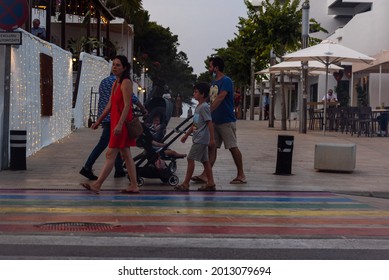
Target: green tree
156	49
274	26
130	10
284	22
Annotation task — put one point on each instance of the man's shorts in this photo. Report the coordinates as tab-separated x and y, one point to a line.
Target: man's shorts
225	133
198	152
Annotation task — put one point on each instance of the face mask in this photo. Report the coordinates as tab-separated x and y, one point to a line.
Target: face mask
213	75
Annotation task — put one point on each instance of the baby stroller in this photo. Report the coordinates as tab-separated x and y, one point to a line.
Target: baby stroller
153	162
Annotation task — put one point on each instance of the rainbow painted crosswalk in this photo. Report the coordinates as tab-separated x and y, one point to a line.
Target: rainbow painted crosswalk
165	213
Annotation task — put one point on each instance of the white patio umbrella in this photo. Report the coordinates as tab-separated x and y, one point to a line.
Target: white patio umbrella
294	67
314	67
328	52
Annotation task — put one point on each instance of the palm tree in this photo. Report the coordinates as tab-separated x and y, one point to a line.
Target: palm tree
127	9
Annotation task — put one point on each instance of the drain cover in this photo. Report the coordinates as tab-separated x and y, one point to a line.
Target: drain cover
76	226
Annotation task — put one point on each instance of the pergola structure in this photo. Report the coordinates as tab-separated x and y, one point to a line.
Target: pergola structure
83	8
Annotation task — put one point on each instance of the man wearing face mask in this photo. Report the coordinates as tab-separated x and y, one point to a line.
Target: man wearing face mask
224	120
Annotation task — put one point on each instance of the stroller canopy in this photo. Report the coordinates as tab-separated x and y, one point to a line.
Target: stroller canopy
162	106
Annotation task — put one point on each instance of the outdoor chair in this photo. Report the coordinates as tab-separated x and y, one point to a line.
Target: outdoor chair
342	119
352	120
315	118
331	122
365	121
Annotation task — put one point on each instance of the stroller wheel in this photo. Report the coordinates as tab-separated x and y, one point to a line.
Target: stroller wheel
173	166
173	180
140	181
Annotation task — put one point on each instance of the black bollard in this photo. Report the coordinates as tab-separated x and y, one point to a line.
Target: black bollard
18	142
284	155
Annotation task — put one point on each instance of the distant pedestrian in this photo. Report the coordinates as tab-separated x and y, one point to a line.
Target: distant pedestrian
237	102
202	139
266	106
190	113
178	106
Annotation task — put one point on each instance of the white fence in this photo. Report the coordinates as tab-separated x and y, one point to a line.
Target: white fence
93	70
25	91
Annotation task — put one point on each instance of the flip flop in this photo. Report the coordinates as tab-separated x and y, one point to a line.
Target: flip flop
181	188
238	181
198	179
129	192
85	186
89	188
207	188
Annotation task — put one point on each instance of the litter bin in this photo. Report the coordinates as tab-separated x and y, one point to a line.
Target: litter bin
284	155
18	142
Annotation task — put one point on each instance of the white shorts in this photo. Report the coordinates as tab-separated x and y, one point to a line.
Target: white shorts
225	133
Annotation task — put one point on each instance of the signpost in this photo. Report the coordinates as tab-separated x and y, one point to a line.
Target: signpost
10	38
13	14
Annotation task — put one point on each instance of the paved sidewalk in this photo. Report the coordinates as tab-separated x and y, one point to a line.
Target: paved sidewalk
57	166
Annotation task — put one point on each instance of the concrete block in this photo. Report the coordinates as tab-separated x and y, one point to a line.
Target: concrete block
335	157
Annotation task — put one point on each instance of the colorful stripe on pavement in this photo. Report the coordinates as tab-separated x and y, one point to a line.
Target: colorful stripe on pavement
249	214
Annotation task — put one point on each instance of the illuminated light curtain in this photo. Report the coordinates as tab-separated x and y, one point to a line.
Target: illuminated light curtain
93	70
25	109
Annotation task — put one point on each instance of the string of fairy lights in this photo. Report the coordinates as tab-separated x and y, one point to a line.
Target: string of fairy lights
25	107
74	8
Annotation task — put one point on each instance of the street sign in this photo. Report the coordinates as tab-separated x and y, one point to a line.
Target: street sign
10	38
13	13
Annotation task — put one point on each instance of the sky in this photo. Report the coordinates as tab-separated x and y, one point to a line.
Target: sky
201	25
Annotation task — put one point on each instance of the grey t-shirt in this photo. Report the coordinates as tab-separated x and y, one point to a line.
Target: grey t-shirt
201	117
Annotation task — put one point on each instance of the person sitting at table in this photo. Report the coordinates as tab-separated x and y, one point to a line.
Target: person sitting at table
37	30
331	96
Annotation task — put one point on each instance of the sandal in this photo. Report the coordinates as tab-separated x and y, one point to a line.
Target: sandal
238	181
89	188
125	191
207	188
198	179
181	188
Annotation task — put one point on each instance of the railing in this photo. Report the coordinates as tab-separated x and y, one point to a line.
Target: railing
354	120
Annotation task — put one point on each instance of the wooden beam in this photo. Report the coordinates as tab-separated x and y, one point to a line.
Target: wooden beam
63	24
98	16
28	22
48	21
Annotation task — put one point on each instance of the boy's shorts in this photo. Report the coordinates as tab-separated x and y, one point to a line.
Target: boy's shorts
198	152
225	133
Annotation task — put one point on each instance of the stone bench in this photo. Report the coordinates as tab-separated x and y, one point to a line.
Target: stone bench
335	157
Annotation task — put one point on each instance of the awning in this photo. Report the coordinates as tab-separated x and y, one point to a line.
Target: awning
380	65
